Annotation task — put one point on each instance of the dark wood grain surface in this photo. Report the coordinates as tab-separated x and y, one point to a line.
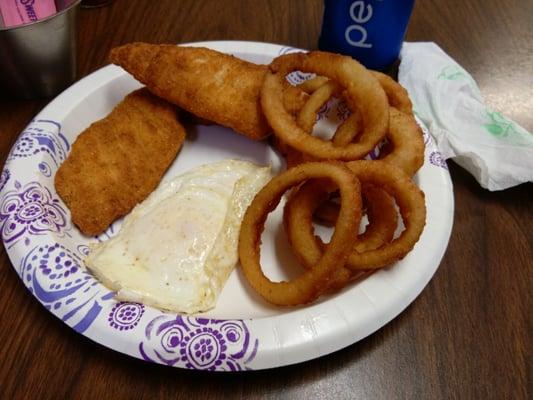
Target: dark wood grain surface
468	335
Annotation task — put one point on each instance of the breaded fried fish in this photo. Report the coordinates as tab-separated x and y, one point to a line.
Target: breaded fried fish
118	161
209	84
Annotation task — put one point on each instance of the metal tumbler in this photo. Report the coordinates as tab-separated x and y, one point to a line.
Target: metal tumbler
38	59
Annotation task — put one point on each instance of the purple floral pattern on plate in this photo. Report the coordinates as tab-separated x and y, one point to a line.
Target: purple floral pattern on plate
125	316
297	77
343	112
374	153
45	169
109	232
41	136
436	158
31	210
323	111
4	178
55	276
198	343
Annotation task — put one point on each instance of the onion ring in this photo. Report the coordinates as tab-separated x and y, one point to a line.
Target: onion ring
405	147
363	93
313	282
292	157
294	99
348	129
322	89
396	93
382	219
311	85
410	201
382	222
292	213
308	114
380	210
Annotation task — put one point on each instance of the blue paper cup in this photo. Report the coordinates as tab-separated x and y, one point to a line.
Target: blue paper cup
371	31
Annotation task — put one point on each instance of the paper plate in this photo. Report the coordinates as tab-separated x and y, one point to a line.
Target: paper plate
242	332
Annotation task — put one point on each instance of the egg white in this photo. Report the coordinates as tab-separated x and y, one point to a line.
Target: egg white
176	249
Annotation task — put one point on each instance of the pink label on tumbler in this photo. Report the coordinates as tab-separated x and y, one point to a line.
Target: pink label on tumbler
18	12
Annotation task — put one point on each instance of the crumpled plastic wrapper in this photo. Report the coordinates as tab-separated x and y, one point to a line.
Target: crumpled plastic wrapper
495	150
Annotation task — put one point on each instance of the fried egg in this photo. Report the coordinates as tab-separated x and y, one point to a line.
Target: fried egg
176	249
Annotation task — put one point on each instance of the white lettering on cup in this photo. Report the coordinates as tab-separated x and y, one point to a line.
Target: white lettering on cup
358	15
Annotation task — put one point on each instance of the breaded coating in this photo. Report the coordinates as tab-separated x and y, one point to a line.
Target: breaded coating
209	84
118	161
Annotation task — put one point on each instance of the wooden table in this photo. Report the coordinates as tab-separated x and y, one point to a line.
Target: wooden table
468	336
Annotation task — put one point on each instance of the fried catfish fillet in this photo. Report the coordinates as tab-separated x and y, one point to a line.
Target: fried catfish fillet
118	161
209	84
